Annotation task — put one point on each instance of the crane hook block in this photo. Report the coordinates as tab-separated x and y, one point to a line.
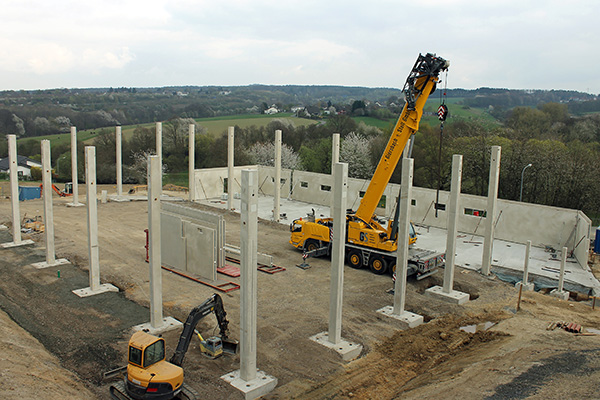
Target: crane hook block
442	112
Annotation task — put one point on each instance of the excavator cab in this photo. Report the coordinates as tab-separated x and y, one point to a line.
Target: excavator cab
149	375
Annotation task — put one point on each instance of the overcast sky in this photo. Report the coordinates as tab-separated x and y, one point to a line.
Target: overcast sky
515	44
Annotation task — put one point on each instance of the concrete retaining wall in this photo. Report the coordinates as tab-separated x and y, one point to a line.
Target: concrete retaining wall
516	221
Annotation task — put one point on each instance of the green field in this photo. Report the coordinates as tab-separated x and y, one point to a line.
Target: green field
215	126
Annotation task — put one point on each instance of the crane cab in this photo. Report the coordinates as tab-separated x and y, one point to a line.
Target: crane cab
149	375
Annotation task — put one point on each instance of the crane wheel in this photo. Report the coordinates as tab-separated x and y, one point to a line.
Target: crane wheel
311	245
355	259
377	265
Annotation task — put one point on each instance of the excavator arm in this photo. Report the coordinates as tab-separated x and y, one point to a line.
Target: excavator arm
419	85
212	304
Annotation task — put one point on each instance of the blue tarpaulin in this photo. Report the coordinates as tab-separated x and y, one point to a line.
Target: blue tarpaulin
29	192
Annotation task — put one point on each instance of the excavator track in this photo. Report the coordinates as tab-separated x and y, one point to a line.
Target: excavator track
117	392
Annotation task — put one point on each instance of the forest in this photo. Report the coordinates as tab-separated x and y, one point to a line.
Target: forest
557	132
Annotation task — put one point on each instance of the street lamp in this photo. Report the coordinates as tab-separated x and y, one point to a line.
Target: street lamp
523	172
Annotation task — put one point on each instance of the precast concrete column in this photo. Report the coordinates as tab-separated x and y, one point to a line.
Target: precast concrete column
92	208
14	189
74	169
525	282
119	161
403	236
340	190
407	149
453	213
563	263
447	292
488	242
51	260
230	166
48	215
397	311
191	164
249	289
154	191
252	382
277	196
335	158
159	149
92	222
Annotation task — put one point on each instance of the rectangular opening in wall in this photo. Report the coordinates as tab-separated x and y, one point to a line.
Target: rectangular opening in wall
440	206
282	181
413	202
474	212
303	184
361	194
225	185
382	202
326	188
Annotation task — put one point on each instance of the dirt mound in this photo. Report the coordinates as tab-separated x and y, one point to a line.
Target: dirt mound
387	371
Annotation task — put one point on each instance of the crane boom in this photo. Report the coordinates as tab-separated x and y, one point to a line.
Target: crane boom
419	85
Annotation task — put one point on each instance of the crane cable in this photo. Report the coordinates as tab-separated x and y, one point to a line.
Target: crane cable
442	115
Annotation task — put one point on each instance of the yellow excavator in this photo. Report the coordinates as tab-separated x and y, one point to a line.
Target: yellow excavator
370	241
150	377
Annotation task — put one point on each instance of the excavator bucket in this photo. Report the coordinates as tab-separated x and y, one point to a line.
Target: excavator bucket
230	346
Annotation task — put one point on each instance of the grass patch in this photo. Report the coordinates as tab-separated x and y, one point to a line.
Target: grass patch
176	178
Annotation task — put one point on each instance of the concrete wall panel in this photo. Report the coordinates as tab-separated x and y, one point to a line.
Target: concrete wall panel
200	250
172	242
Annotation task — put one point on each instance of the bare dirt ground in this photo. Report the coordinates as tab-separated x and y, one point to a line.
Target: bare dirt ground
55	344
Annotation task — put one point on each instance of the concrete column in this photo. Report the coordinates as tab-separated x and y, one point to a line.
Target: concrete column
119	162
249	290
155	258
453	212
277	197
335	158
157	324
14	195
159	150
230	165
92	219
560	292
252	382
488	242
340	190
92	208
403	236
74	170
408	319
48	212
525	282
191	164
447	292
333	337
14	188
407	149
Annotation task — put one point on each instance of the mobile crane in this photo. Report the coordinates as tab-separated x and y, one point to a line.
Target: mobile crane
150	376
368	242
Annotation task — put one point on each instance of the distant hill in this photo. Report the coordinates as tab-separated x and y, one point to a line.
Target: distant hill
43	112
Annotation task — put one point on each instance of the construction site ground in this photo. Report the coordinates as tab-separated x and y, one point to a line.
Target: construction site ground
54	344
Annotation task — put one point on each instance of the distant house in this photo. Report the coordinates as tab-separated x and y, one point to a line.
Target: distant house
24	166
271	110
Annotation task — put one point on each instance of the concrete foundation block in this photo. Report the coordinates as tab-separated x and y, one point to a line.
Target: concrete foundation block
407	319
86	292
348	350
13	244
526	287
169	324
562	295
44	264
254	388
454	297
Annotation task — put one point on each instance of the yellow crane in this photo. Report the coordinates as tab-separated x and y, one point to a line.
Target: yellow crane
368	242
